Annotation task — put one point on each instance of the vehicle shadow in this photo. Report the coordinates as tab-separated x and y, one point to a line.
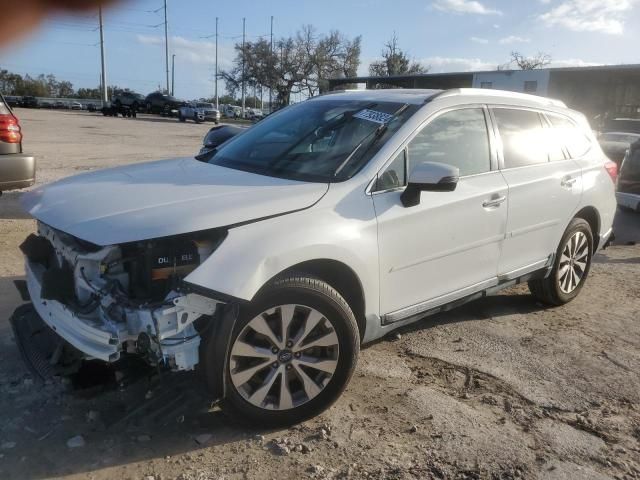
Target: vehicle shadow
10	208
626	227
603	259
490	307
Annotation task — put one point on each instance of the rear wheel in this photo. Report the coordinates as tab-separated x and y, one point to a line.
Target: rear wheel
292	352
571	266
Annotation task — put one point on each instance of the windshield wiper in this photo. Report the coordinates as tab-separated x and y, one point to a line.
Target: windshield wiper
377	133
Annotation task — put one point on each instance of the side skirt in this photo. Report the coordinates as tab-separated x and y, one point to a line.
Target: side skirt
390	323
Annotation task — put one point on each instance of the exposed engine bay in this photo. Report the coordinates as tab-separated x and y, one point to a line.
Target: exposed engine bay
122	299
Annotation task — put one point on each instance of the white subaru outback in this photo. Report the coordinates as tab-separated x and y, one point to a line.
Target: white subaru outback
268	263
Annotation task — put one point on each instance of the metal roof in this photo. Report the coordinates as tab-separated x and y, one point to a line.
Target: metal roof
401	95
383	79
420	96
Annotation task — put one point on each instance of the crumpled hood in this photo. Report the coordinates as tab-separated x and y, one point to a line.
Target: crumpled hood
163	198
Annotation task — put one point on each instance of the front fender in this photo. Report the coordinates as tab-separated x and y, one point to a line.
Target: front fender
253	254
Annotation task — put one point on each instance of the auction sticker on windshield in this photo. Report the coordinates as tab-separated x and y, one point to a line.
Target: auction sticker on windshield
374	116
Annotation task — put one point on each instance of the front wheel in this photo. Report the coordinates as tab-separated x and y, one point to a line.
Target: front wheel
571	266
292	352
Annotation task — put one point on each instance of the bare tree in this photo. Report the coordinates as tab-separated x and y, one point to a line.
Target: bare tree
395	61
302	63
534	62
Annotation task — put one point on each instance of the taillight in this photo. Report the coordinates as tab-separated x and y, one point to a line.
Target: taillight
10	129
612	170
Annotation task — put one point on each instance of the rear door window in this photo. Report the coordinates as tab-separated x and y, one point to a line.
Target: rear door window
575	140
523	137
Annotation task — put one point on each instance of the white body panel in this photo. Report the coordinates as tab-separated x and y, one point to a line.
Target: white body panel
542	200
447	246
448	242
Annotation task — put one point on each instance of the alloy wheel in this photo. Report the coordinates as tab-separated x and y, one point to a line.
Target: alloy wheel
284	357
573	262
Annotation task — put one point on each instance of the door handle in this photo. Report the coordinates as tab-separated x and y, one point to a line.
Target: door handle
494	202
568	182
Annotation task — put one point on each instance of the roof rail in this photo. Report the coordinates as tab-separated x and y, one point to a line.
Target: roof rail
487	92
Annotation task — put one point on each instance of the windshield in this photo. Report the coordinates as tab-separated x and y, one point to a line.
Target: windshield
318	141
205	105
619	137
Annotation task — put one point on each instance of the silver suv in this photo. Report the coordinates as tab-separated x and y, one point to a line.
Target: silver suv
327	225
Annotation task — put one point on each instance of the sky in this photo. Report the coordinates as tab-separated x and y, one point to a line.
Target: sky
447	35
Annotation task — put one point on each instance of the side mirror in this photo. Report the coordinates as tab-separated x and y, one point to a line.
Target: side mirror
429	177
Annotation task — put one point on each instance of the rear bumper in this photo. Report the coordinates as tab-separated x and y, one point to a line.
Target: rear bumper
629	200
17	171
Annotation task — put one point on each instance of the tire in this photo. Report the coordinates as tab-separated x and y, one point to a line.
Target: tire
181	118
318	314
149	108
558	288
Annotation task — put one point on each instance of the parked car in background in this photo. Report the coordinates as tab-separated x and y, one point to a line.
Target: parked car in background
631	125
91	107
46	104
325	226
216	137
17	170
254	114
29	101
232	111
162	103
190	111
616	144
60	104
199	112
628	193
211	113
12	101
75	105
129	99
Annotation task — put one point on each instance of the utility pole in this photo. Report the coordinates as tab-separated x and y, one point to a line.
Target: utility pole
103	81
216	80
244	53
173	75
273	66
166	43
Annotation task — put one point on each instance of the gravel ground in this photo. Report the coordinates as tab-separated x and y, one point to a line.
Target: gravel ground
501	388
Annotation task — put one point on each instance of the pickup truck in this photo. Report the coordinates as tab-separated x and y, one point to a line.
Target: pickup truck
199	112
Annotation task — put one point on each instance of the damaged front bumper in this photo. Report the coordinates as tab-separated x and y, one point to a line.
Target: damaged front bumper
175	339
162	332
